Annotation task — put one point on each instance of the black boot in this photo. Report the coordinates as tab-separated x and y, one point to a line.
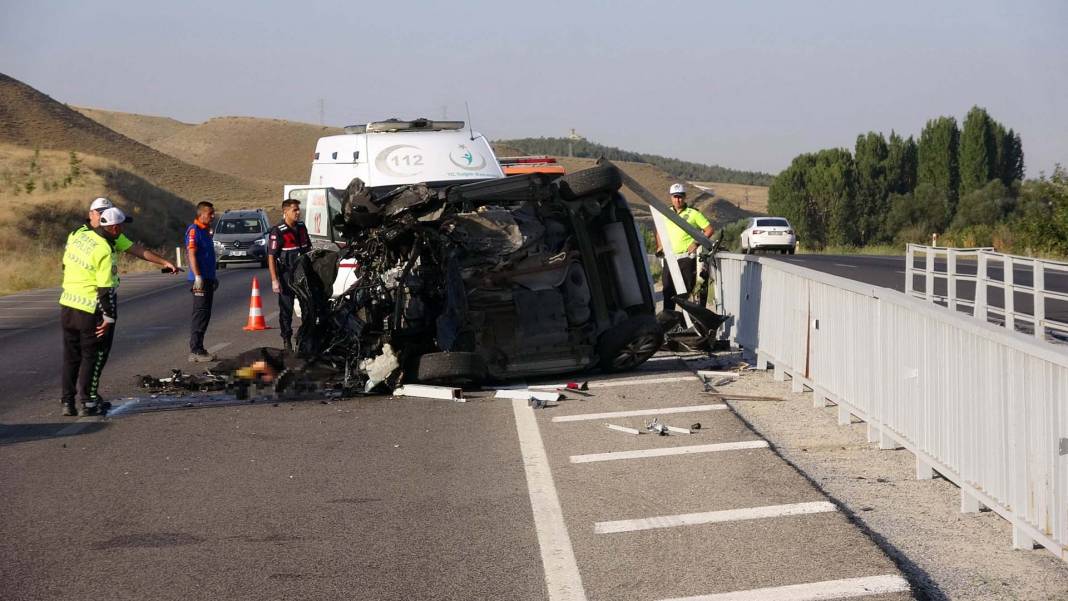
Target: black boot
287	344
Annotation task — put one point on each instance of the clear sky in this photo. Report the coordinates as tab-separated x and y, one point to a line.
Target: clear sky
747	85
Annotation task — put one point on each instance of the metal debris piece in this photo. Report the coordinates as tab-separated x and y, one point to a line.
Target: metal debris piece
431	392
623	429
526	394
741	397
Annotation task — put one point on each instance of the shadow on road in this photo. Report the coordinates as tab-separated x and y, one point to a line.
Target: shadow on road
16	433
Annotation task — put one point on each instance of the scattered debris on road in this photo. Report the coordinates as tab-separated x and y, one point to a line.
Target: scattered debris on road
623	429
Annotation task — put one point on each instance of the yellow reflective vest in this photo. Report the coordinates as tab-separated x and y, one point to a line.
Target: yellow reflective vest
89	263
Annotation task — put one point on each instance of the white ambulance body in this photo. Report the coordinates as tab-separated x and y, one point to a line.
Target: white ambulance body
387	154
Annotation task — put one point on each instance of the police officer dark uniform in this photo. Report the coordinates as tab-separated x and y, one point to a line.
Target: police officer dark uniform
89	309
286	242
200	245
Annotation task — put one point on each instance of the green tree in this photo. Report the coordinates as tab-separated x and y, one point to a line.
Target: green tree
870	159
978	151
901	164
937	158
789	198
831	186
1011	158
914	217
986	206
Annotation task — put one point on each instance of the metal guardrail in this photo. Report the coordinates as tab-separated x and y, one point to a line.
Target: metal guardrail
983	259
984	406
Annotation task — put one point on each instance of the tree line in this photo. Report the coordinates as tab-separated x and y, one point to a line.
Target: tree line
965	183
684	170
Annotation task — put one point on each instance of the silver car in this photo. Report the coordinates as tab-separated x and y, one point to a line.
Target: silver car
241	237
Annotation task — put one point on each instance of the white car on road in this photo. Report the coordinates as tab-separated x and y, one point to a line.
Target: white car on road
769	233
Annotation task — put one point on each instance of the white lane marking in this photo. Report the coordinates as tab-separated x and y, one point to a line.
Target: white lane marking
713	517
844	265
218	347
813	591
626	382
636	412
664	452
901	272
562	578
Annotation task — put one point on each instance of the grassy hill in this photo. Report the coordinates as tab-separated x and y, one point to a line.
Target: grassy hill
31	119
269	151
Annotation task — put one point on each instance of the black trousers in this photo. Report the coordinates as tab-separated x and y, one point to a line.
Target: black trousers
688	267
285	307
201	315
84	355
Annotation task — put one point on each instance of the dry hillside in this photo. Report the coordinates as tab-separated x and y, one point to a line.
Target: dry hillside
31	119
146	129
271	151
47	194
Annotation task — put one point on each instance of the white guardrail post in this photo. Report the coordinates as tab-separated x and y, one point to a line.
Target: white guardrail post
951	278
980	287
910	259
1038	280
1008	267
929	269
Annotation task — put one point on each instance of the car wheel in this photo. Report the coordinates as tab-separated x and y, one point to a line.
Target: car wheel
601	178
791	251
451	367
220	266
629	344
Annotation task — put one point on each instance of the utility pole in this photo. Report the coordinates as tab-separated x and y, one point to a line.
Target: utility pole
322	111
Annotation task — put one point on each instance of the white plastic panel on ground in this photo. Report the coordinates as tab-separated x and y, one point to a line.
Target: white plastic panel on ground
986	407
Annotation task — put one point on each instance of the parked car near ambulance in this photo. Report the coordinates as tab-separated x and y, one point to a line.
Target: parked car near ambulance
769	233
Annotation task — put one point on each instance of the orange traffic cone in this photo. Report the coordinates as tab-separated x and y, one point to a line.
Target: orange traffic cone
255	309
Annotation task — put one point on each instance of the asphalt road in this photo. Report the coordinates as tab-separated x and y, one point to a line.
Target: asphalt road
889	272
390	498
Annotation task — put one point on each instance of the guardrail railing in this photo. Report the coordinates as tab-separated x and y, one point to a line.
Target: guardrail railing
984	406
946	272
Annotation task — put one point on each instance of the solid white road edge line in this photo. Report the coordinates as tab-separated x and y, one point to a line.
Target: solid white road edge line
664	452
562	578
636	412
813	591
713	517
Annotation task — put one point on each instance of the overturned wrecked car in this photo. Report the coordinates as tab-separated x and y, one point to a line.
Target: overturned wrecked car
505	278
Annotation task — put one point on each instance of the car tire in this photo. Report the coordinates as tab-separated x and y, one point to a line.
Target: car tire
629	344
791	251
220	266
451	367
601	178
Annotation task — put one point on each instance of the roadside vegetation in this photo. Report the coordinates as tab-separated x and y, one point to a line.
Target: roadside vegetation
965	184
47	194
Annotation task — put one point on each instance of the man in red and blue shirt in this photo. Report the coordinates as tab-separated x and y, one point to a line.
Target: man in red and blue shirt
286	242
200	246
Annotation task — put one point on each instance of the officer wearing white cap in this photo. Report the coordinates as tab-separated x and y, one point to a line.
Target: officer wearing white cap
122	243
89	310
683	247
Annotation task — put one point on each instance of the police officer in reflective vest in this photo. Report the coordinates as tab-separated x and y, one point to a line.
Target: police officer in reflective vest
286	242
200	245
684	248
88	310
